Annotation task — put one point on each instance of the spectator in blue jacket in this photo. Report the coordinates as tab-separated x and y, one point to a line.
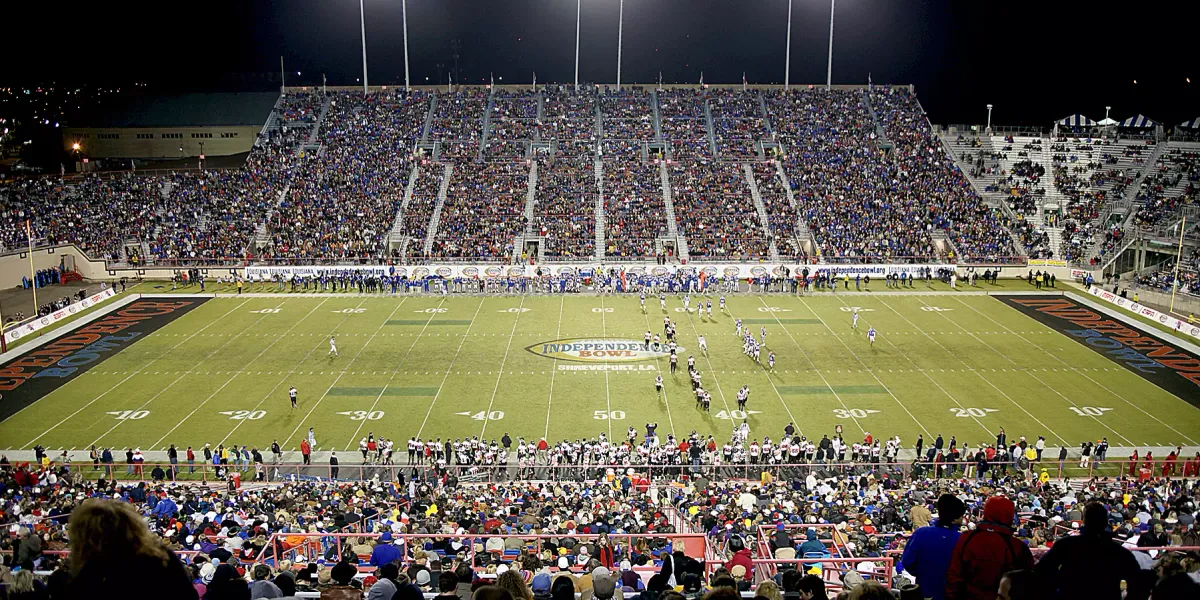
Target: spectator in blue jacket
385	552
927	555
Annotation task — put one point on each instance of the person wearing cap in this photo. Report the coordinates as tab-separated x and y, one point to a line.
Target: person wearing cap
1092	564
385	551
540	585
982	556
927	554
342	575
422	580
604	587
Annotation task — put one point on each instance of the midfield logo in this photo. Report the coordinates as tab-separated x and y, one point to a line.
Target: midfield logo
602	350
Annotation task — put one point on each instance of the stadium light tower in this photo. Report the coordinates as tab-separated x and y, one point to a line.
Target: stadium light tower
362	20
578	7
787	56
829	68
404	7
620	36
989	121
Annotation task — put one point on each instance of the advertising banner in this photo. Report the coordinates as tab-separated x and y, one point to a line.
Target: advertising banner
41	322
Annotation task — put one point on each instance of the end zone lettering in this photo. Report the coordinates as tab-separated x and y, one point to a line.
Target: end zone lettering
42	370
1162	363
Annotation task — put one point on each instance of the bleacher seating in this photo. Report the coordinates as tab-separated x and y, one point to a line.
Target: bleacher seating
329	174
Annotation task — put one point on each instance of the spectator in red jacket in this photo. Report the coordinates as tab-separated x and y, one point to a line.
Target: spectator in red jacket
741	556
981	557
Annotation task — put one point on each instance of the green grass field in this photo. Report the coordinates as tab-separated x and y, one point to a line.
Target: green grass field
960	364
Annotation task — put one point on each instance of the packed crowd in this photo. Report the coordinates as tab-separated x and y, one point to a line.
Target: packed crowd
863	198
715	212
342	200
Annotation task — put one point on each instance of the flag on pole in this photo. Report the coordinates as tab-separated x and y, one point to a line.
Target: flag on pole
701	78
323	86
535	80
660	80
492	84
449	83
870	86
744	82
132	165
62	171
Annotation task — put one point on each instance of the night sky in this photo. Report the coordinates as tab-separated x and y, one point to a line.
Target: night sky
1035	61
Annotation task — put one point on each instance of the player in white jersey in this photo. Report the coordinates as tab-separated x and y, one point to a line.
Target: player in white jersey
649	336
657	342
658	384
763	336
691	364
871	335
708	305
687	303
662	302
333	346
757	348
643	301
855	324
722	304
702	345
739	327
771	360
743	396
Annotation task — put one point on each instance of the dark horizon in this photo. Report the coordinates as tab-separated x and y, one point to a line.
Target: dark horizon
958	56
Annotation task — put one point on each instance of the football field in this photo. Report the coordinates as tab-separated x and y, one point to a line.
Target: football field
218	371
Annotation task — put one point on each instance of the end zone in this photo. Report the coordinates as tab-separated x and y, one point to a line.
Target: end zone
30	373
1158	358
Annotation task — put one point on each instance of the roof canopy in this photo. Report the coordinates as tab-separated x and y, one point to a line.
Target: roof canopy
1139	121
1077	120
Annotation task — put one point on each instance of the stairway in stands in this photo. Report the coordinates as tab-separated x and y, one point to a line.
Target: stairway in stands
773	248
672	226
396	235
437	210
598	166
531	196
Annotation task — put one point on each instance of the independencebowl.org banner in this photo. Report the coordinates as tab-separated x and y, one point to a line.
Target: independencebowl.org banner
42	322
1162	318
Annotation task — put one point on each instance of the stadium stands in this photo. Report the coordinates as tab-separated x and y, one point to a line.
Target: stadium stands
863	178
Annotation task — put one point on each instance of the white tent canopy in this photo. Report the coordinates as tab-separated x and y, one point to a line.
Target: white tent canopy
1077	120
1106	121
1192	124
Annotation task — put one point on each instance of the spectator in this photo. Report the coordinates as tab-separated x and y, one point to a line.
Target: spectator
385	585
767	590
262	587
1091	564
812	587
492	592
29	549
447	586
927	554
982	556
466	577
1024	584
385	551
111	548
342	575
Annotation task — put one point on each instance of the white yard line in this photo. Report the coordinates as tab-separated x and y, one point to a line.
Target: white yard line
269	394
767	374
261	316
607	395
131	375
339	377
396	371
868	368
450	368
658	363
500	373
554	367
836	396
1085	375
713	372
1061	439
987	432
230	380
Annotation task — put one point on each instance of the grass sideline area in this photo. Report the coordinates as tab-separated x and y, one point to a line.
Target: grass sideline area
957	364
